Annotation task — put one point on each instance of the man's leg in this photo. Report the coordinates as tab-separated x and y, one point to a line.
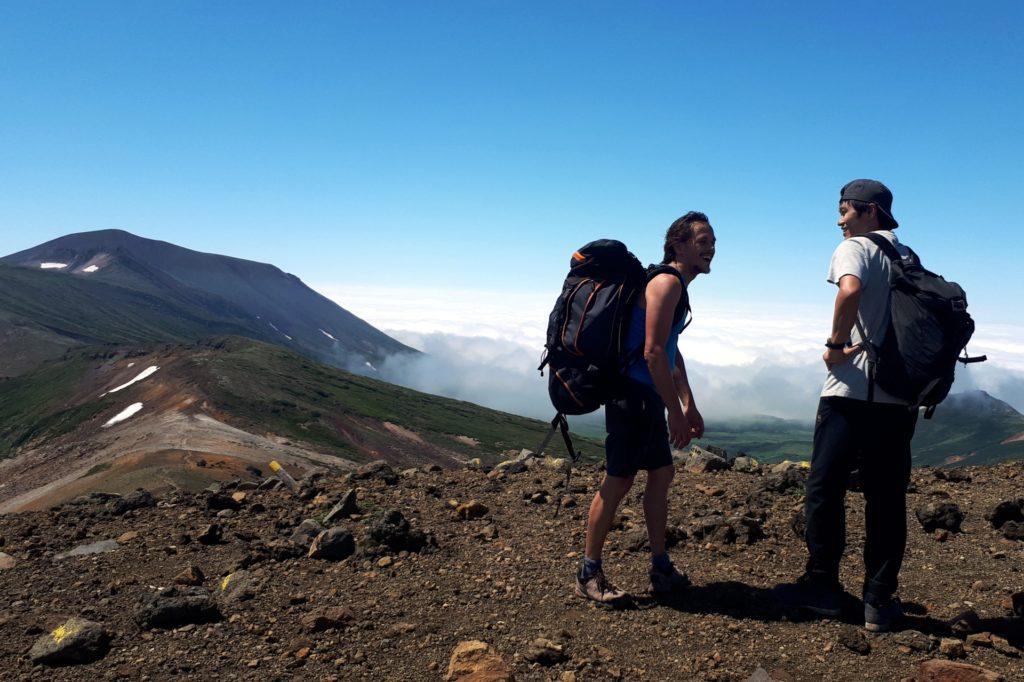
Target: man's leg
885	474
602	512
656	506
835	442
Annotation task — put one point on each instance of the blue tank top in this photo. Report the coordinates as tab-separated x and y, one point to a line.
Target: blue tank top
637	336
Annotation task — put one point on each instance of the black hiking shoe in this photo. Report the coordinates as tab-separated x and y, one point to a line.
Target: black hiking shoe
882	615
665	583
812	594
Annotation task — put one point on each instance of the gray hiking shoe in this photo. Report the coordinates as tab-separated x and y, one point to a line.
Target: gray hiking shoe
597	588
882	616
668	582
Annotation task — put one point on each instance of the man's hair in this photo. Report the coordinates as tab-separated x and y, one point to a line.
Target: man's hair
680	232
884	221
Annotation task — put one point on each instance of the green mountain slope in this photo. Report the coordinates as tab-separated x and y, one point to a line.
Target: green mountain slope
968	428
266	389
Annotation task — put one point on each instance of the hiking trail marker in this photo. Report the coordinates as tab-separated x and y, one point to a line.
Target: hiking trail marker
284	476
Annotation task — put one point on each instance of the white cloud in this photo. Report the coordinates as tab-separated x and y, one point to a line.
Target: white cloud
484	347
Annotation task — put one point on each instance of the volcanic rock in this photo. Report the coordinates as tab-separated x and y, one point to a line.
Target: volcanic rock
391	530
305	532
76	641
333	544
746	465
545	652
938	670
853	639
330	618
213	534
476	661
6	561
471	510
137	499
176	606
344	509
190	576
238	586
951	648
1013	530
377	470
1011	510
701	461
934	515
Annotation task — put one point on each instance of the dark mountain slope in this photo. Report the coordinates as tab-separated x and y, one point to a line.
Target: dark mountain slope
233	295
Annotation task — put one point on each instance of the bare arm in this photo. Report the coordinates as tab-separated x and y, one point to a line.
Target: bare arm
843	318
662	295
682	383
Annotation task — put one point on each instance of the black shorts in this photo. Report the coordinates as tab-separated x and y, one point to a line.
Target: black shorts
637	431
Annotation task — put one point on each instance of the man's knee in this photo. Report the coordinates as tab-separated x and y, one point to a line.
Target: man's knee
616	486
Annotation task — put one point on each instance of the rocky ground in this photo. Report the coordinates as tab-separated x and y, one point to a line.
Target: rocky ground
467	574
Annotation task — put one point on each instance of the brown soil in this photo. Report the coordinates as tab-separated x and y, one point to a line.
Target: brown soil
412	609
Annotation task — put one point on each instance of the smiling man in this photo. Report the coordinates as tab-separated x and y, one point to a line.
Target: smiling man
858	426
638	435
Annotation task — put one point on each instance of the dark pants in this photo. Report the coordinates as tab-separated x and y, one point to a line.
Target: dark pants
874	438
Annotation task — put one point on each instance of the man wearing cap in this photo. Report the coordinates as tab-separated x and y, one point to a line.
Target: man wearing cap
858	425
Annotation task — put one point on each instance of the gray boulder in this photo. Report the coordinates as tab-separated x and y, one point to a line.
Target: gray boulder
333	544
76	641
935	515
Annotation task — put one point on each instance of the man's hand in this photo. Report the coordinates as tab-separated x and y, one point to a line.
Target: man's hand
839	356
678	430
695	420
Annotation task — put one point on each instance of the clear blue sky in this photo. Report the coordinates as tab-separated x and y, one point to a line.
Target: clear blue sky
475	144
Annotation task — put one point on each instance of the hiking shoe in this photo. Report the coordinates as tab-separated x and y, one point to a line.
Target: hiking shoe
882	616
597	588
667	582
813	594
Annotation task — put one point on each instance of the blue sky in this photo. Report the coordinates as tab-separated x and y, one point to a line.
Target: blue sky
474	145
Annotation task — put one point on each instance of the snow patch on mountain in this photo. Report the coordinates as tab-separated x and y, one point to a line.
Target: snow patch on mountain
149	371
124	414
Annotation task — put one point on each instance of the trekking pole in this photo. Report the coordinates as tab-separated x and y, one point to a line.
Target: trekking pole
574	456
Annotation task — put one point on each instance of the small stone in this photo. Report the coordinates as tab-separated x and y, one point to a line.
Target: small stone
305	532
238	587
211	535
540	497
471	510
951	648
76	641
125	538
477	661
344	509
981	585
1003	646
302	653
709	490
330	618
238	497
137	499
983	639
568	502
854	640
938	670
964	622
176	606
190	576
545	652
934	515
6	561
333	544
1015	604
378	470
384	562
914	640
941	534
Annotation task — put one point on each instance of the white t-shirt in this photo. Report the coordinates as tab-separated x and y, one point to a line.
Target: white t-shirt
858	256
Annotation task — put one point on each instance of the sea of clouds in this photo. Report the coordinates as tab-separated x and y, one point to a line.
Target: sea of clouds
484	347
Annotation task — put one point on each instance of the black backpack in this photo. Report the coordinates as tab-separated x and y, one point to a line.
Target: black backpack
587	329
928	328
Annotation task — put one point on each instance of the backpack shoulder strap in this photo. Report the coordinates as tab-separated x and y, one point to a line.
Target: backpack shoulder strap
885	245
683	306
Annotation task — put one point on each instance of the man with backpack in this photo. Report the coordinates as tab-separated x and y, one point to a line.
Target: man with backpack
859	425
654	379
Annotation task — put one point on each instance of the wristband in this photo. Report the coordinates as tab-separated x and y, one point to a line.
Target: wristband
836	346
